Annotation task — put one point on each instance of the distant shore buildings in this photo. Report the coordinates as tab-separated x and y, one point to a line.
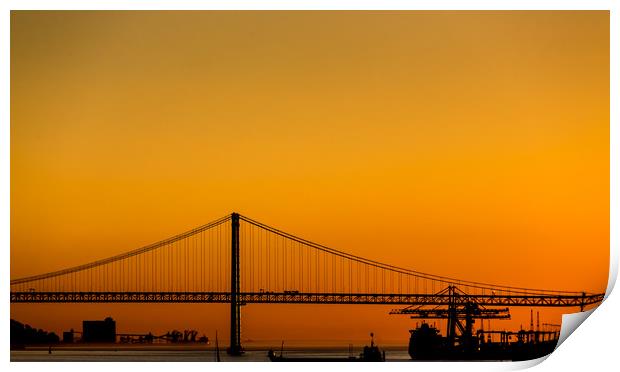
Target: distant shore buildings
97	332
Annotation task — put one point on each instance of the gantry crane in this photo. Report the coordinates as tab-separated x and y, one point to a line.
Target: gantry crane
460	313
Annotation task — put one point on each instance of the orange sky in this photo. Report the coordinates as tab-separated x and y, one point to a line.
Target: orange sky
468	144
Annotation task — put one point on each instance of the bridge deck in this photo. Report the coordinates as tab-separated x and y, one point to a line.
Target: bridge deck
304	298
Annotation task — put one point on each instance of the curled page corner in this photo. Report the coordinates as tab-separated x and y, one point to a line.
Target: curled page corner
570	322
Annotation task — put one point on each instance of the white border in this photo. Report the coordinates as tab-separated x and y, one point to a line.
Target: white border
592	347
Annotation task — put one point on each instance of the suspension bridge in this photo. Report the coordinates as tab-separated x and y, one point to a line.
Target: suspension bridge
238	260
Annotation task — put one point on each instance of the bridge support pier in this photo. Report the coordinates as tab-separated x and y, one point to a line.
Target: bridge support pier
235	308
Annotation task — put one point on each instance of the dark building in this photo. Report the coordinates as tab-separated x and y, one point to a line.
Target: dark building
99	330
67	337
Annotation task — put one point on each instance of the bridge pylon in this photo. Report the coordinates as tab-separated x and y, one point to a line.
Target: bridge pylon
235	307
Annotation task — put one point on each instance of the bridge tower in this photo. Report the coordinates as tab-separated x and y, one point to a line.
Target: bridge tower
235	307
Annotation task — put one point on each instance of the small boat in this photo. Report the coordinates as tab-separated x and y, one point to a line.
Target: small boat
369	354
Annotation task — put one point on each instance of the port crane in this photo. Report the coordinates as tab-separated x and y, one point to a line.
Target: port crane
460	312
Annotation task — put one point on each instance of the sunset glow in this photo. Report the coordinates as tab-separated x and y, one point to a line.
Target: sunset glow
473	145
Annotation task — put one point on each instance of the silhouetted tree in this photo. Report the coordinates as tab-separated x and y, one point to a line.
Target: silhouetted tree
26	335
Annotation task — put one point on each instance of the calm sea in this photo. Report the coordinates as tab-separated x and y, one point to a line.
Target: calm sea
255	352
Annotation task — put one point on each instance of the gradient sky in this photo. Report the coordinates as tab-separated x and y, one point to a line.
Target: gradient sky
467	144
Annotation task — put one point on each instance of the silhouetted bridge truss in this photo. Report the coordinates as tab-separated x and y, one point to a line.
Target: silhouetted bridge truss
241	261
305	298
